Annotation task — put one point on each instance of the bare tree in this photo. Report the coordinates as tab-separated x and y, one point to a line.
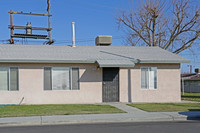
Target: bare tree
174	27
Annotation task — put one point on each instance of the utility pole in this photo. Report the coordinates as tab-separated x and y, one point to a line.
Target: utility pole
30	35
11	27
48	9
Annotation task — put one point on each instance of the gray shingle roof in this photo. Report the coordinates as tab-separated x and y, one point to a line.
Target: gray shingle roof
86	54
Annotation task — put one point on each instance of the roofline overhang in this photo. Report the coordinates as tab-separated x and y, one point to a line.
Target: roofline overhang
123	66
47	61
128	65
90	61
162	61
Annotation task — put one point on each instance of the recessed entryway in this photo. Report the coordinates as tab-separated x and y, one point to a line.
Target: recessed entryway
110	85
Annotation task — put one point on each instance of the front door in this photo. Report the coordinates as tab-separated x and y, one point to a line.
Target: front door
110	84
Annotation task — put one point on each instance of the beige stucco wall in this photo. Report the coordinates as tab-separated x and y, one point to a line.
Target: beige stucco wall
168	84
31	86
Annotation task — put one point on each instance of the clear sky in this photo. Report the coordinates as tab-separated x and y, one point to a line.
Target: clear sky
91	17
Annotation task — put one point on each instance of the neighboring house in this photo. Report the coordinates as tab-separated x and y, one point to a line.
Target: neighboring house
47	74
191	82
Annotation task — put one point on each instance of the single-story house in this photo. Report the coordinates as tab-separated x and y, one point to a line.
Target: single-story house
58	74
190	82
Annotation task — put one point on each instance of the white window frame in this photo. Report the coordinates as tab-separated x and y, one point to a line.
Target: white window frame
148	83
70	75
17	89
61	68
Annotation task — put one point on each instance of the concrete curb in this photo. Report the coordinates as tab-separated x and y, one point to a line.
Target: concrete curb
94	119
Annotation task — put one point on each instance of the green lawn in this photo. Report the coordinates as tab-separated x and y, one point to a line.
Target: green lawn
69	109
191	96
167	107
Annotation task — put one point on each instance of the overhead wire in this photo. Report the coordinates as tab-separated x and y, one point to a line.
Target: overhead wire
81	40
61	41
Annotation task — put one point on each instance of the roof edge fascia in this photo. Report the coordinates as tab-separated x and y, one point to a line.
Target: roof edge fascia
47	61
154	61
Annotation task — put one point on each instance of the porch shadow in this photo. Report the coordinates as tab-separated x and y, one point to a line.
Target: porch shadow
90	75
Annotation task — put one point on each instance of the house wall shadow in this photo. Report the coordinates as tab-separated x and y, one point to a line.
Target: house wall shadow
192	114
90	75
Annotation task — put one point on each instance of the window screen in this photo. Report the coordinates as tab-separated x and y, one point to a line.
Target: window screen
61	78
152	77
75	79
13	79
47	78
144	78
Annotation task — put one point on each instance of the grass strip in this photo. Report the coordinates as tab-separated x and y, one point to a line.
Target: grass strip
43	110
167	107
191	97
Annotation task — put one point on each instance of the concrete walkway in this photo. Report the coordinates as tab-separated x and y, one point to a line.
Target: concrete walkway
132	115
126	108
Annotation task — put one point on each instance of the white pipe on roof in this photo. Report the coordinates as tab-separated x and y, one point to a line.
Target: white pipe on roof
73	35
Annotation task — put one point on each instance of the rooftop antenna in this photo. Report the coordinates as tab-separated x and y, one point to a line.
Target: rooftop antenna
29	27
73	35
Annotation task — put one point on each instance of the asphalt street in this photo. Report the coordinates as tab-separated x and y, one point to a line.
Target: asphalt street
141	127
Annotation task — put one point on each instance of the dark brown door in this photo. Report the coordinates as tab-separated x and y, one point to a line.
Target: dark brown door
110	84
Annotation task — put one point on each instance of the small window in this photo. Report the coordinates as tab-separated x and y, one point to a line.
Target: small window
61	78
9	78
149	77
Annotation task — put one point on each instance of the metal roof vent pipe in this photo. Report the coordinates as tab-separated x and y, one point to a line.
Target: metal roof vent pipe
73	35
103	40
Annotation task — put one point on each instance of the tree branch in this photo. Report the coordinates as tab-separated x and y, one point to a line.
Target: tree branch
135	31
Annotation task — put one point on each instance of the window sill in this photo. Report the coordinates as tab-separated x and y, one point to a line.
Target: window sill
147	89
60	90
8	91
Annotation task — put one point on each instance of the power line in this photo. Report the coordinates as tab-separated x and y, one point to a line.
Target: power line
82	40
61	41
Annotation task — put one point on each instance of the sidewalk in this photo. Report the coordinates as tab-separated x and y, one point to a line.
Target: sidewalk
132	115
